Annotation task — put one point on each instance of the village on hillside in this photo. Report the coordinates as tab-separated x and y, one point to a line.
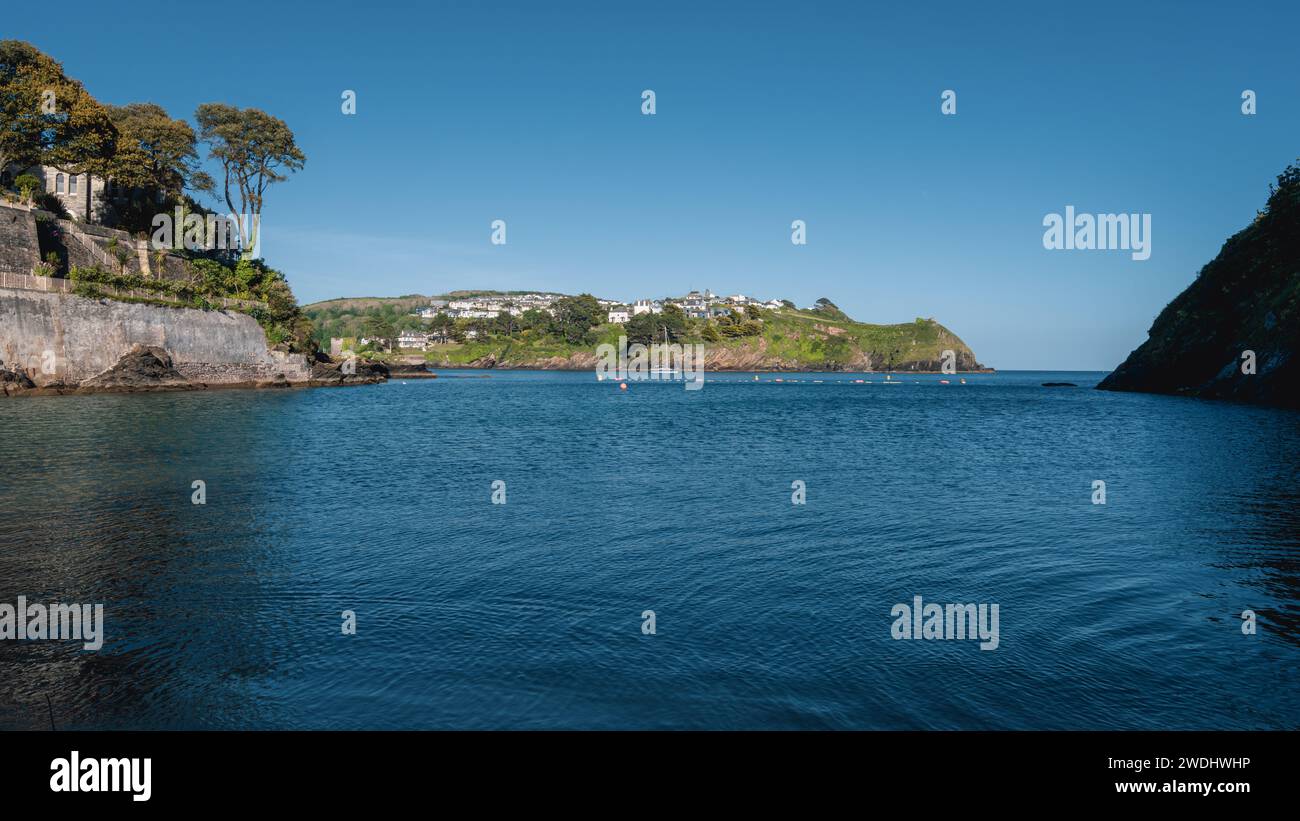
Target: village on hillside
694	305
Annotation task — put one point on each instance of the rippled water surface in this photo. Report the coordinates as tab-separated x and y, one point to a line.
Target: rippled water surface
768	614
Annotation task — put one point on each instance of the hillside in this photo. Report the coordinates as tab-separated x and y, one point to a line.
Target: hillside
1246	299
789	339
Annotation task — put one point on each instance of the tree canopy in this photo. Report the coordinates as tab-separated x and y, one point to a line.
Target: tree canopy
254	150
157	150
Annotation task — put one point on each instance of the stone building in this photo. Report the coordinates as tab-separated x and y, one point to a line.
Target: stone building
73	189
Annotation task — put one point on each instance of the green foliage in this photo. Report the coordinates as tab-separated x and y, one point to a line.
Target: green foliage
381	327
824	307
88	289
27	185
27	130
670	324
534	318
214	278
573	317
50	202
282	319
254	150
161	150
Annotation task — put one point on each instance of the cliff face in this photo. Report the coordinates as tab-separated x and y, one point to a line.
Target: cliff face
1246	300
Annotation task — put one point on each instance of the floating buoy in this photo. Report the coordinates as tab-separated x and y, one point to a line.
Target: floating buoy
944	382
622	386
963	381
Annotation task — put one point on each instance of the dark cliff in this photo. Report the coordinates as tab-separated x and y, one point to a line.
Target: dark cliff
1246	299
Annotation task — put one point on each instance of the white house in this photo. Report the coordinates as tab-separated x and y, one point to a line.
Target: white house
413	339
619	315
646	306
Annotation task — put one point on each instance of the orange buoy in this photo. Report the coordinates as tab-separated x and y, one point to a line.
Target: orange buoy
622	386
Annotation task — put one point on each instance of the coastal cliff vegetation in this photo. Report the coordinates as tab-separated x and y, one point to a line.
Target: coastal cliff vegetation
1233	333
821	337
150	165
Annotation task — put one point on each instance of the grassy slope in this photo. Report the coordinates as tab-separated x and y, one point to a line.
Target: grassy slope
791	339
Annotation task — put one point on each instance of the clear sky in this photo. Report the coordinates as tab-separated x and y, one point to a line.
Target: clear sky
767	112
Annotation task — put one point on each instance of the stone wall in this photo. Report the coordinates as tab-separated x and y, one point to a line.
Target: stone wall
80	244
20	247
85	337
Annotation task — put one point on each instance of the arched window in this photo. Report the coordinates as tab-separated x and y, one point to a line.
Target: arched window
58	184
72	184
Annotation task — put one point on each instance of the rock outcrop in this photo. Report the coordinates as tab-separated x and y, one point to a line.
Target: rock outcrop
14	380
1234	332
326	372
144	367
409	370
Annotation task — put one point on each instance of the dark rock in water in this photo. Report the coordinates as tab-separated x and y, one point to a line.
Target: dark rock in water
327	372
413	370
14	380
143	367
1234	333
1059	385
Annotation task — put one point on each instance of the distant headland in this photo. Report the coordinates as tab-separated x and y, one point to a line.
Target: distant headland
552	331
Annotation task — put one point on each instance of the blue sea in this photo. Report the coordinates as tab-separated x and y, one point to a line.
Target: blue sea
767	614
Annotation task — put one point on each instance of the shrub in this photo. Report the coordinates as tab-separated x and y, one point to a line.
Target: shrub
87	289
49	202
27	185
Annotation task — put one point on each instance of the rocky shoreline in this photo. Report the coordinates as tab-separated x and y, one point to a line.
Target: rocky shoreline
150	369
587	362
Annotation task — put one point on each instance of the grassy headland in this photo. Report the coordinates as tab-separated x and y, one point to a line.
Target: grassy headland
793	339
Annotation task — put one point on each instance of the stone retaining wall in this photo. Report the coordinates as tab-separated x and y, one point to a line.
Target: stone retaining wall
75	338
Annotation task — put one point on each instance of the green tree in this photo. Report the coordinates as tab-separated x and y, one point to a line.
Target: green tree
254	150
442	327
573	317
507	323
534	318
672	323
641	328
163	149
648	327
27	185
86	141
829	309
26	128
381	327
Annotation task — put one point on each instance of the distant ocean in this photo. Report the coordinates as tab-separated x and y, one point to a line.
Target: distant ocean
767	614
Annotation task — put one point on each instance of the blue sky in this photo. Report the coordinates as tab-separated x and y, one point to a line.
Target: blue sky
766	112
